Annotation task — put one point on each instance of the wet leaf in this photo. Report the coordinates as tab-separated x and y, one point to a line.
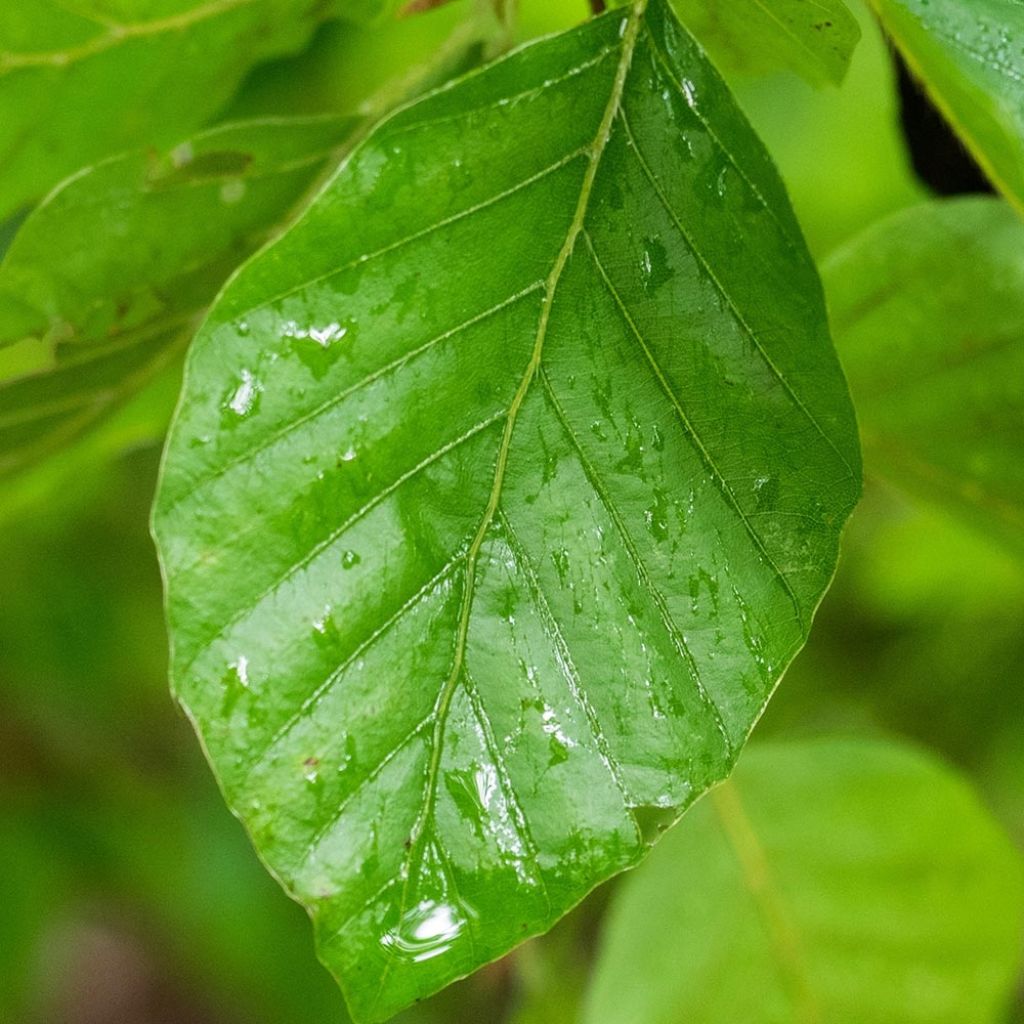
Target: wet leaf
814	38
82	80
108	279
503	488
827	880
927	308
970	57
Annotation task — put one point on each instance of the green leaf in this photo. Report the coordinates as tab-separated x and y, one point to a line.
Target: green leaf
814	38
503	488
372	67
834	880
927	308
108	279
971	59
83	79
849	137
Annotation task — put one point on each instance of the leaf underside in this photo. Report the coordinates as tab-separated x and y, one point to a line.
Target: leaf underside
503	488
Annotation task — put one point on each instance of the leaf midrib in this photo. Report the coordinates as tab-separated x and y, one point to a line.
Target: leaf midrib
784	938
595	151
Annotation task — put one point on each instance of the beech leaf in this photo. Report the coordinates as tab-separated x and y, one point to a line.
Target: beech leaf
503	489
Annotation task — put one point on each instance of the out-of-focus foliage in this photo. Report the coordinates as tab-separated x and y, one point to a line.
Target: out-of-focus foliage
93	324
814	39
840	151
846	881
82	80
362	69
928	314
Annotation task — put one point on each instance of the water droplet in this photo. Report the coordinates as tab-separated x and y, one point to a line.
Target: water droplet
561	560
350	754
427	930
241	668
559	743
656	515
236	684
509	600
327	334
325	632
558	751
242	400
654	268
486	779
766	491
689	93
316	345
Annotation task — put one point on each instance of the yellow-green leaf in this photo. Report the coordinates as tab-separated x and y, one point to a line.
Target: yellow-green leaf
109	278
81	80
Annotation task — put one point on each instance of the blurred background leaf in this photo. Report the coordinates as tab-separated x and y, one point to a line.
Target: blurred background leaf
849	881
928	317
106	281
83	79
840	151
815	40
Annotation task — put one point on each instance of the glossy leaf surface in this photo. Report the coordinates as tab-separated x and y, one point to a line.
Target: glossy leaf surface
81	81
970	57
854	882
109	278
927	308
503	488
814	38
